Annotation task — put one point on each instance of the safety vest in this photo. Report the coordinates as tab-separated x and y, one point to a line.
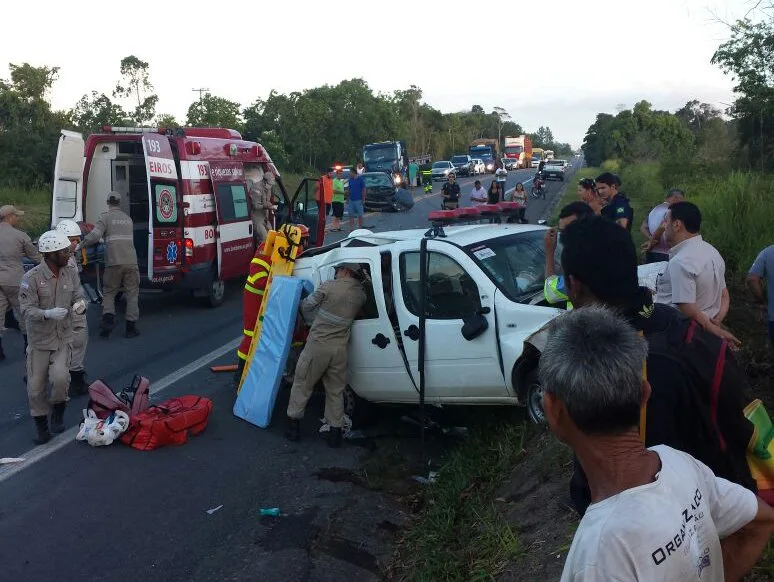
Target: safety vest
555	291
252	298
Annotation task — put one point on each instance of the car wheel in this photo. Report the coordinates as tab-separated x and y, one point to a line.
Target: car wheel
534	398
216	292
361	412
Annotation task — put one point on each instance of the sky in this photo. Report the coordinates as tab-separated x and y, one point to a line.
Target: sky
556	63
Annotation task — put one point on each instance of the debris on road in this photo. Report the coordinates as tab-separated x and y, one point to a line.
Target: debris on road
431	478
224	368
214	509
271	511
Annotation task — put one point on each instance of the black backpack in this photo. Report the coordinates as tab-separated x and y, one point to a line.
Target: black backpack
717	392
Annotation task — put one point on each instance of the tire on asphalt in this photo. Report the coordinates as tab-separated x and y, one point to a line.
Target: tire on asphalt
534	398
216	292
361	412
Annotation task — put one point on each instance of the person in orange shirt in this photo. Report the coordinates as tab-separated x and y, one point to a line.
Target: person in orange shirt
327	184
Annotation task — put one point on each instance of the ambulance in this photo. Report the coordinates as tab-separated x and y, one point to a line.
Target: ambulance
186	191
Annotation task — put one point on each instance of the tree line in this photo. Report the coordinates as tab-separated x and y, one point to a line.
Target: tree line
698	135
303	131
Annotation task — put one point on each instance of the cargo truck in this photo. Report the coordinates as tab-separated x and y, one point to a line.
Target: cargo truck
519	148
487	150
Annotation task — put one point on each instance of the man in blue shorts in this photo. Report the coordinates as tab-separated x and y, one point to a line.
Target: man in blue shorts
356	200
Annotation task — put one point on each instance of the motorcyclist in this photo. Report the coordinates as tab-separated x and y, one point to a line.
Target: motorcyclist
451	193
539	185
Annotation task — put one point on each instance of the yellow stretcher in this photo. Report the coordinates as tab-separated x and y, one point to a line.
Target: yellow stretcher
282	246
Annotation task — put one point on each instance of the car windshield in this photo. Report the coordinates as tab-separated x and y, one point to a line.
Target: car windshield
441	164
379	154
515	263
377	180
459	160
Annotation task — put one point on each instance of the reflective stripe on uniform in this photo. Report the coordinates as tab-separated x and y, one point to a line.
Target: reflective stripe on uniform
264	264
333	318
552	292
254	278
241	356
248	332
253	290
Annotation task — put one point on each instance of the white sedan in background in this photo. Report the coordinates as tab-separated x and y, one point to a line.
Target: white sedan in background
478	166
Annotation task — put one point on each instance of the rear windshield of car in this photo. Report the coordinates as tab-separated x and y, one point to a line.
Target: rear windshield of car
459	159
441	165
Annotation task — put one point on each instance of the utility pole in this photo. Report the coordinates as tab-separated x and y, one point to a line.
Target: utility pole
200	92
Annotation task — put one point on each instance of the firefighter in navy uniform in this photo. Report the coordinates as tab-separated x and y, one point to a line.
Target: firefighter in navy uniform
426	171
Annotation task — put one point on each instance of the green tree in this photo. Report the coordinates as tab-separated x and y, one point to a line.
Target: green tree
94	111
213	111
167	120
135	84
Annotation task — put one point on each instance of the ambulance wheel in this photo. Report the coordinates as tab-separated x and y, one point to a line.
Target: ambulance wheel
216	293
534	398
361	412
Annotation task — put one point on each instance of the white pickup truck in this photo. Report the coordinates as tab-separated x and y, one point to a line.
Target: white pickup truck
484	302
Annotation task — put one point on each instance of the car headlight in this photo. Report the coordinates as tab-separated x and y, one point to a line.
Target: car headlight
398	179
490	166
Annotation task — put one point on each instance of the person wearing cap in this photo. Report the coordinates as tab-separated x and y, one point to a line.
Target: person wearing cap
121	268
653	228
49	294
14	246
330	309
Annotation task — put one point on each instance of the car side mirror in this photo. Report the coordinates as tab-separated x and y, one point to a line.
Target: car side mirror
473	326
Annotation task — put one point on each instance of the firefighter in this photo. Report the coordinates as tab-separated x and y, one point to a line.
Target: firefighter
121	268
426	170
261	204
78	383
49	294
14	246
331	309
252	297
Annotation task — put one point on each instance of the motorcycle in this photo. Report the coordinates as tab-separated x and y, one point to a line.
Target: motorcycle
538	187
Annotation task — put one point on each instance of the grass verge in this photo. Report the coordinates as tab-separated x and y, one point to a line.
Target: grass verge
461	534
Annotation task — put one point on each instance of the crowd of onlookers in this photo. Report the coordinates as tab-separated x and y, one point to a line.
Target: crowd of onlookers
644	386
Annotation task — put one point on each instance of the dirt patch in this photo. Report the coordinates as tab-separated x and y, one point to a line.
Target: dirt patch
536	501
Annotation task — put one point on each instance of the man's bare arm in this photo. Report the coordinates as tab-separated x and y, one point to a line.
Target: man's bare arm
742	549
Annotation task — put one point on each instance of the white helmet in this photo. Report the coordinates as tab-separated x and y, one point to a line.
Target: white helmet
69	227
53	241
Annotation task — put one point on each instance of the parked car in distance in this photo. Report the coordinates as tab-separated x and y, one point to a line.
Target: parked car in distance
381	193
463	164
510	163
554	170
478	166
441	169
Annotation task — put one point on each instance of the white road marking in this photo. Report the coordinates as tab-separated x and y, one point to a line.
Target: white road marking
42	451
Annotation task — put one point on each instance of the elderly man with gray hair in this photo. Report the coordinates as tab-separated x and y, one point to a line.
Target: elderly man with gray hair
657	513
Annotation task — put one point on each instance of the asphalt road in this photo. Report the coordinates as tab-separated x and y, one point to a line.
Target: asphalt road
73	512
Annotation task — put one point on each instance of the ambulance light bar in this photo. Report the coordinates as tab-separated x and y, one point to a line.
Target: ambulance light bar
112	129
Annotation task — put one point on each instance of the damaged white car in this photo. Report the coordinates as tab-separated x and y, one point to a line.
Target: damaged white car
480	340
483	298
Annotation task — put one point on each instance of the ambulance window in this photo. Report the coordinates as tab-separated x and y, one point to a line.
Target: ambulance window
232	202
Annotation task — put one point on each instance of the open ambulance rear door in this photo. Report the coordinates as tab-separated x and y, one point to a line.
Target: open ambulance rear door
307	207
165	220
67	197
234	231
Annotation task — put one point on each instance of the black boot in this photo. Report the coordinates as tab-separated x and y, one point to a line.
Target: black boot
57	417
78	383
41	423
293	430
334	437
107	324
131	329
2	353
10	320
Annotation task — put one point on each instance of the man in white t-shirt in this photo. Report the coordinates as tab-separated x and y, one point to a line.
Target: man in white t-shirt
655	514
478	194
653	229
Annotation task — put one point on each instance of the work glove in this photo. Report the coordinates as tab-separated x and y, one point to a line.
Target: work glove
307	288
79	307
56	313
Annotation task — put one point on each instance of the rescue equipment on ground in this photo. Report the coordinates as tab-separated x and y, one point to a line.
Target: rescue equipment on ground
131	400
102	432
168	423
